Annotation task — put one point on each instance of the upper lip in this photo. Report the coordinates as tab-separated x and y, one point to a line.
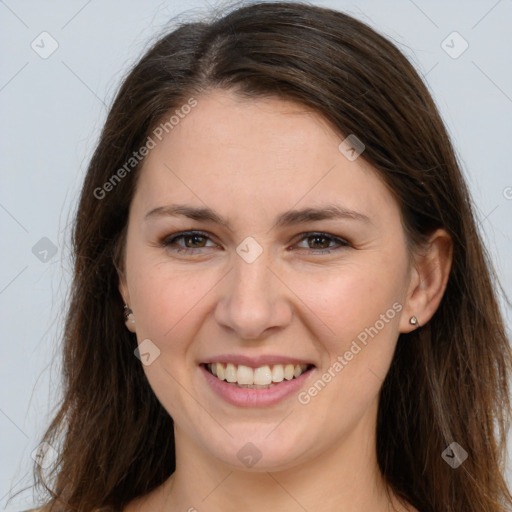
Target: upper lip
256	361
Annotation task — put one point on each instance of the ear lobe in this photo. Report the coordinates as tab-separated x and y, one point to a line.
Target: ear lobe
430	276
129	319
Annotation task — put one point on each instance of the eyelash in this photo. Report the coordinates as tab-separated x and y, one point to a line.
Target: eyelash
169	240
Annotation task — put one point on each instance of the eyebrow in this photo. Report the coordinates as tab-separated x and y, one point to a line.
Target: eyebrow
288	218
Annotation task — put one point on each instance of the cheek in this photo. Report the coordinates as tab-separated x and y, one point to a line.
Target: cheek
358	309
347	300
367	328
169	302
165	295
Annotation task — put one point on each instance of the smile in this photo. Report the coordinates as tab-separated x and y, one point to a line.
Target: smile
263	377
258	381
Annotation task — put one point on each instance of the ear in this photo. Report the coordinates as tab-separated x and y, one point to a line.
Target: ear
123	287
429	276
125	294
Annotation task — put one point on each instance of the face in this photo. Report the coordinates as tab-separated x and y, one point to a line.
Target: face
301	311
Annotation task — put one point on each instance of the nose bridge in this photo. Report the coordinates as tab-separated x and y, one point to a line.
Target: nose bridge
251	279
251	302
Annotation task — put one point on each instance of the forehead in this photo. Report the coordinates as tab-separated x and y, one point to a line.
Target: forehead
258	153
227	125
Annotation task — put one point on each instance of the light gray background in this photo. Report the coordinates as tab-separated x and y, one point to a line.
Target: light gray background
52	111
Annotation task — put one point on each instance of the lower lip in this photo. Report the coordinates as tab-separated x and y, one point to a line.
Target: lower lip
248	397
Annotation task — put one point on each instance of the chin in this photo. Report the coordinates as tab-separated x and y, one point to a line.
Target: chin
260	451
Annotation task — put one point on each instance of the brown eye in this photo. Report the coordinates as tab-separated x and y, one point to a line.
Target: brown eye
320	243
195	240
186	242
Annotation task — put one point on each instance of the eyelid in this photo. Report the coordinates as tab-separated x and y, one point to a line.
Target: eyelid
333	238
168	240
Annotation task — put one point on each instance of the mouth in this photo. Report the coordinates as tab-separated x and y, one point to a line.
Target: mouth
262	377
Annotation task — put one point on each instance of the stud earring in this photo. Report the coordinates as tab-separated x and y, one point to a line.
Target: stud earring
413	320
127	312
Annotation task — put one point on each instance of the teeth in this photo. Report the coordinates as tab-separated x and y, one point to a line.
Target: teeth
245	375
264	376
221	372
230	372
277	373
288	371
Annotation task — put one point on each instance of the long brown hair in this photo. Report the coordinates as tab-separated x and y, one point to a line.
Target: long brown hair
448	381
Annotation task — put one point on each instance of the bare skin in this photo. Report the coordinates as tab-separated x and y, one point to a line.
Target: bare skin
250	161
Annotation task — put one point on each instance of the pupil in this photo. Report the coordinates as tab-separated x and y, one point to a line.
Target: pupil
195	238
316	238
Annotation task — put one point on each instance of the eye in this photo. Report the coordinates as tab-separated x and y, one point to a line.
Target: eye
192	240
320	242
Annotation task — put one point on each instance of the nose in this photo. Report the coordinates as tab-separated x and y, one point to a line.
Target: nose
254	300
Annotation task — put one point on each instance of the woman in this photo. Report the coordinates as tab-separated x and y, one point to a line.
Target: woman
280	299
